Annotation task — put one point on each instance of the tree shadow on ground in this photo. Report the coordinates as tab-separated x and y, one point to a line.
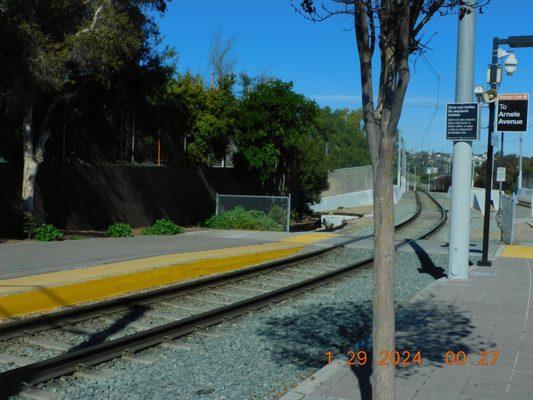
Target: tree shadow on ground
134	313
427	326
13	381
427	264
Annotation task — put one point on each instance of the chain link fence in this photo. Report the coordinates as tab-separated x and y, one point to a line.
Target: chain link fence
278	208
348	180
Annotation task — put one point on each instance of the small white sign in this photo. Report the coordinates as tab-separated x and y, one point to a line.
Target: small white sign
500	174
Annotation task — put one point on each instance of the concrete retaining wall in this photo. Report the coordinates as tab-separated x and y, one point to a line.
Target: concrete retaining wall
477	198
354	199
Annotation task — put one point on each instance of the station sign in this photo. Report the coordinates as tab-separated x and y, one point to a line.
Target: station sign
512	112
462	121
500	174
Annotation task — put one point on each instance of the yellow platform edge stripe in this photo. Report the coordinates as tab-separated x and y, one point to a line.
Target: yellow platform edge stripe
43	298
515	251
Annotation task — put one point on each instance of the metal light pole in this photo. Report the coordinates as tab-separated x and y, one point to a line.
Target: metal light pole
494	70
459	246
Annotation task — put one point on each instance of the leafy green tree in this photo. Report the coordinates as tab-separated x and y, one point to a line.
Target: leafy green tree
208	116
347	145
51	49
274	140
510	162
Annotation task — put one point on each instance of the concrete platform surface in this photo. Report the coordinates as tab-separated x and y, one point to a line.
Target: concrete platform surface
32	257
87	270
489	318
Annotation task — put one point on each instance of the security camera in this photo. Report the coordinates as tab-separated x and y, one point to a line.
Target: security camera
478	90
510	64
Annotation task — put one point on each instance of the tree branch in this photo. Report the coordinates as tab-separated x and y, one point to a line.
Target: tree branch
95	18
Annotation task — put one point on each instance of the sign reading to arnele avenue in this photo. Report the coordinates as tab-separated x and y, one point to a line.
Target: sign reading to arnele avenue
512	112
462	121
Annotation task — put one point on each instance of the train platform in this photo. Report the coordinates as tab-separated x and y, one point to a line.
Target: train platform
37	277
475	340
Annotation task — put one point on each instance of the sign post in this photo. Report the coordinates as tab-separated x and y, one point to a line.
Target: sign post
462	126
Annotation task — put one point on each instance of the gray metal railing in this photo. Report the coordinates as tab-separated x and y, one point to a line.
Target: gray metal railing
506	217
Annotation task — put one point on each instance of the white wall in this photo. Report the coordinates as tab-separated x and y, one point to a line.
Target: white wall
354	199
477	198
525	195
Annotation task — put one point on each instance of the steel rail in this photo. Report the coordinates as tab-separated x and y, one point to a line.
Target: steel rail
57	319
12	381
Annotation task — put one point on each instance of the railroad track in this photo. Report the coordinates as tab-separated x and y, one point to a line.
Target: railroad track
76	339
523	204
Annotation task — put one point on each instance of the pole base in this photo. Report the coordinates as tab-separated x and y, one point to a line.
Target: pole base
482	263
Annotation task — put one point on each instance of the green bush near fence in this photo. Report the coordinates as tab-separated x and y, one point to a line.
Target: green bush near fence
239	218
163	227
119	230
278	215
47	233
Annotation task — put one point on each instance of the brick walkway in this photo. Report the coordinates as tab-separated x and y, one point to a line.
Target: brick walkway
489	313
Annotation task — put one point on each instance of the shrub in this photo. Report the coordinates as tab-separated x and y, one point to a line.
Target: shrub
239	218
278	215
163	227
29	224
47	233
119	230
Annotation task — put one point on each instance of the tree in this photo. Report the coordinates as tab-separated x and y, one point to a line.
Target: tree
208	116
396	27
275	140
510	162
346	142
50	49
220	58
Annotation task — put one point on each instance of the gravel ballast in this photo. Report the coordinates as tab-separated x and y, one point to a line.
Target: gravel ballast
404	209
260	355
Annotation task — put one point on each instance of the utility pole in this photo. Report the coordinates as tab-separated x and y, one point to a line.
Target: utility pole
414	189
521	138
459	244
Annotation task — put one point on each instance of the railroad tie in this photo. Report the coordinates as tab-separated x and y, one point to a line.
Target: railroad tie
48	343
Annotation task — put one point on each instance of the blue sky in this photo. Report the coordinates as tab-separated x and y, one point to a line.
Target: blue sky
321	59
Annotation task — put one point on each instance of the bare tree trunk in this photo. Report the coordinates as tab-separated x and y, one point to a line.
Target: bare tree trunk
30	166
32	156
383	279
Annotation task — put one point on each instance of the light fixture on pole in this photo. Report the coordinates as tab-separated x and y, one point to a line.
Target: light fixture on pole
494	79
